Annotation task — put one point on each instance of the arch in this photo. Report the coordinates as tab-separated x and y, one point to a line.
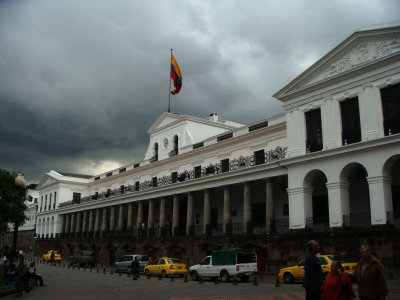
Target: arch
389	163
316	180
355	174
38	228
391	169
51	229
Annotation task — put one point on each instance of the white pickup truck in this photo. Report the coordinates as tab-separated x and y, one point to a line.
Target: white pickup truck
226	264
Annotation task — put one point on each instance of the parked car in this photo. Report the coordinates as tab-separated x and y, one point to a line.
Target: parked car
82	259
47	256
166	266
296	273
124	263
238	262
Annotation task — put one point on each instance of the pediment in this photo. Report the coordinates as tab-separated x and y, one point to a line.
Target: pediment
165	119
359	50
46	181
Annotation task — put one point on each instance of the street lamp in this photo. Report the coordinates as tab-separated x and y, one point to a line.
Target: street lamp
20	183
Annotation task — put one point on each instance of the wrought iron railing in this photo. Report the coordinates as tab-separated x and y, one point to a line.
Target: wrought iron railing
359	221
213	169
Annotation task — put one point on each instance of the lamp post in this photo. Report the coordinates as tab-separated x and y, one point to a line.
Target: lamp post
20	184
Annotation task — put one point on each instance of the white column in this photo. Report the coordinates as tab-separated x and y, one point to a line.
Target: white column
150	216
175	214
130	216
380	196
120	217
338	202
189	214
112	218
90	227
371	113
300	206
227	208
269	205
85	221
246	207
206	212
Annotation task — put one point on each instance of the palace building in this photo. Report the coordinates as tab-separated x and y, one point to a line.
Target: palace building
328	168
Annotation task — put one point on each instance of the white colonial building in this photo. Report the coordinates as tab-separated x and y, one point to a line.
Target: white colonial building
330	163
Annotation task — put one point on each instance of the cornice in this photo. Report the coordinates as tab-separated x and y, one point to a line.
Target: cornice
325	93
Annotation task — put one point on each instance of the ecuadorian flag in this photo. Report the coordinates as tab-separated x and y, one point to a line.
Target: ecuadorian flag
176	75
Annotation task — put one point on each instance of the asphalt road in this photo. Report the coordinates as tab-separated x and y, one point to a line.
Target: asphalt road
67	283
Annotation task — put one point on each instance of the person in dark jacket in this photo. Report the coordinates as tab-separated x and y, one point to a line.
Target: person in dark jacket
370	276
135	266
20	276
33	274
313	277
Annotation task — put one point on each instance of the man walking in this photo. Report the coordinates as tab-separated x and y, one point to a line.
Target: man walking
135	268
370	276
314	278
20	275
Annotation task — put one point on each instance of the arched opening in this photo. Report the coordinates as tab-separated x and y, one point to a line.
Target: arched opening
176	148
319	220
392	170
359	201
39	228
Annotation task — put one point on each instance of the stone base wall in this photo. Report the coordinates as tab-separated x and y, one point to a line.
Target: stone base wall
274	251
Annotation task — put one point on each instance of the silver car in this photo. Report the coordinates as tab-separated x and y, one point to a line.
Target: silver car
125	262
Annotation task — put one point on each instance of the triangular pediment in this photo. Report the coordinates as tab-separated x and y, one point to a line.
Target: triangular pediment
361	49
165	119
47	180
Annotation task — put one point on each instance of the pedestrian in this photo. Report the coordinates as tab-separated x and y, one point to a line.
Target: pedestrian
52	256
313	277
143	227
370	276
20	276
337	285
150	260
33	274
135	266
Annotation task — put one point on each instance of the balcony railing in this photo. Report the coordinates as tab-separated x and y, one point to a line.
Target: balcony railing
392	221
211	170
357	221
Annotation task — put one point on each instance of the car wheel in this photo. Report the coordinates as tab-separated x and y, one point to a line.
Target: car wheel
224	276
194	275
164	274
147	272
287	278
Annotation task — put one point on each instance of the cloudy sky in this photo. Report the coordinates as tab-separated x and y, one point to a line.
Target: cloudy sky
82	81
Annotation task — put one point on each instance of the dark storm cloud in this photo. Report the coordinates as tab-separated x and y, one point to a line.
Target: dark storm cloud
82	81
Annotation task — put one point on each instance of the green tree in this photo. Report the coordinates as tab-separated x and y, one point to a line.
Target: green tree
12	198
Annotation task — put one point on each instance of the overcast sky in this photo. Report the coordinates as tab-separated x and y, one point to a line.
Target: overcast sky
82	81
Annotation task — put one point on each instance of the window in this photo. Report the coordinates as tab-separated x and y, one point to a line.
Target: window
225	165
122	189
198	145
161	262
174	177
55	200
285	209
154	179
322	261
97	178
314	130
258	126
176	141
137	186
45	203
76	197
155	152
351	129
225	137
259	157
197	172
51	196
41	203
122	170
136	166
109	174
391	109
206	261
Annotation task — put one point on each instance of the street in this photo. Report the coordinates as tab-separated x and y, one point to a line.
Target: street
68	283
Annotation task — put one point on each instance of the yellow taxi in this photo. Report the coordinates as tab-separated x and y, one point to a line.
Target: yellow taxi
47	256
296	273
166	266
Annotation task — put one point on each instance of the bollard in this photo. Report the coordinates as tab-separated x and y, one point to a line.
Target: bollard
216	280
84	269
90	269
160	277
148	275
186	278
391	275
235	281
200	279
97	271
172	278
104	271
255	282
277	283
261	276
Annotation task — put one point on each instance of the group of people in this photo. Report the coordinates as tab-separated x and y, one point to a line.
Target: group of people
369	274
21	273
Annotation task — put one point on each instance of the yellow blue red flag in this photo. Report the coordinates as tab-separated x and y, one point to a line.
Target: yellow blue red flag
176	75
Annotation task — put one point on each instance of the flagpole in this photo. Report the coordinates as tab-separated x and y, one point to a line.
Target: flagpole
169	91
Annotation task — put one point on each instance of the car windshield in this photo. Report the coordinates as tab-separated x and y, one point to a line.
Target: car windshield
174	261
87	253
143	258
